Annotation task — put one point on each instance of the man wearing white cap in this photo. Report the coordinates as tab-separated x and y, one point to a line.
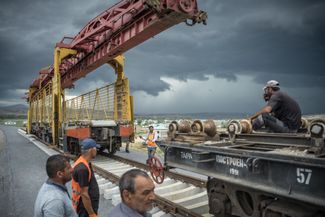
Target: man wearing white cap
282	114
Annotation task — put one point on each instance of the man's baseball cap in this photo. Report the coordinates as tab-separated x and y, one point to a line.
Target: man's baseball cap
88	144
271	83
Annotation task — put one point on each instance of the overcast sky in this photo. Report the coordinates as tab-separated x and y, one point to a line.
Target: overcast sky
221	67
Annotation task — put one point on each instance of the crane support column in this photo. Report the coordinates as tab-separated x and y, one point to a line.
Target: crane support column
59	54
30	110
122	104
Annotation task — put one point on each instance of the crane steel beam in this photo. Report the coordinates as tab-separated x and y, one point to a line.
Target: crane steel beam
116	30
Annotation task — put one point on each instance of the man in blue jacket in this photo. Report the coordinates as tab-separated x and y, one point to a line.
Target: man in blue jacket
53	199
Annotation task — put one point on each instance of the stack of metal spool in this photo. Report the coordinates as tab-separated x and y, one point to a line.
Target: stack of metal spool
207	127
245	126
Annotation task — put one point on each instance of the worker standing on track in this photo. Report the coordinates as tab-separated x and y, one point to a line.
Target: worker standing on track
151	142
127	144
85	190
53	199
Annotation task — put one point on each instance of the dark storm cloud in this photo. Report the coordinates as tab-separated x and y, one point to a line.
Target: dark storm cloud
281	40
267	40
28	33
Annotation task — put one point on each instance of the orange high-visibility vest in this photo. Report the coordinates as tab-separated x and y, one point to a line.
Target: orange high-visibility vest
76	190
151	137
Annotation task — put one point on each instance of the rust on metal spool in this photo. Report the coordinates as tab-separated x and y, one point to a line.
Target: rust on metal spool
173	126
246	126
234	127
304	123
210	128
184	126
197	126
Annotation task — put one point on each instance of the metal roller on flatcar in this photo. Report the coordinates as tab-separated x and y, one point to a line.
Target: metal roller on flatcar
195	131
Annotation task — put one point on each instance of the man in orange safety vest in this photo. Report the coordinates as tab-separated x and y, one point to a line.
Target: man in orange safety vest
151	142
85	190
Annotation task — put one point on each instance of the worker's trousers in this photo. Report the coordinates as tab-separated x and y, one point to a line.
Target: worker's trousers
271	124
151	152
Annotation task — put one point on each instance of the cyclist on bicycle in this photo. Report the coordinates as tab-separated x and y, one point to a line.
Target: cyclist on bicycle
151	142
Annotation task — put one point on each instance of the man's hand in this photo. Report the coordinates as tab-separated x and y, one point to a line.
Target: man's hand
87	202
266	109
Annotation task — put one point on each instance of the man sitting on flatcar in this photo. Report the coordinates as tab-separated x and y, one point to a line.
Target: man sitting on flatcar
281	114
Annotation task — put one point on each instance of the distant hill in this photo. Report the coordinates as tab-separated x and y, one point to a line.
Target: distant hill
14	111
204	115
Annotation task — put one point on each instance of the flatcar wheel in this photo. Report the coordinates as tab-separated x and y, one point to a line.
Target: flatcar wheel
156	170
246	202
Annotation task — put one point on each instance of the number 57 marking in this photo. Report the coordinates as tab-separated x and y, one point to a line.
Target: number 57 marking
304	175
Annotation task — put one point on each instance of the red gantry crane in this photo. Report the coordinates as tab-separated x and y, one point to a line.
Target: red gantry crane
103	40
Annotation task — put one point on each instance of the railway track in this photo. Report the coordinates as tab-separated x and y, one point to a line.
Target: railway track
178	195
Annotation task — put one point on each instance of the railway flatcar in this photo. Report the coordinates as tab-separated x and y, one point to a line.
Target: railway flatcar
260	175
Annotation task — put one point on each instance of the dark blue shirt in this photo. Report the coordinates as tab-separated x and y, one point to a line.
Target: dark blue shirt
81	175
122	210
285	109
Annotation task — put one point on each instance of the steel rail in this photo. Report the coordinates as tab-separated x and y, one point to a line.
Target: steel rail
184	178
162	203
